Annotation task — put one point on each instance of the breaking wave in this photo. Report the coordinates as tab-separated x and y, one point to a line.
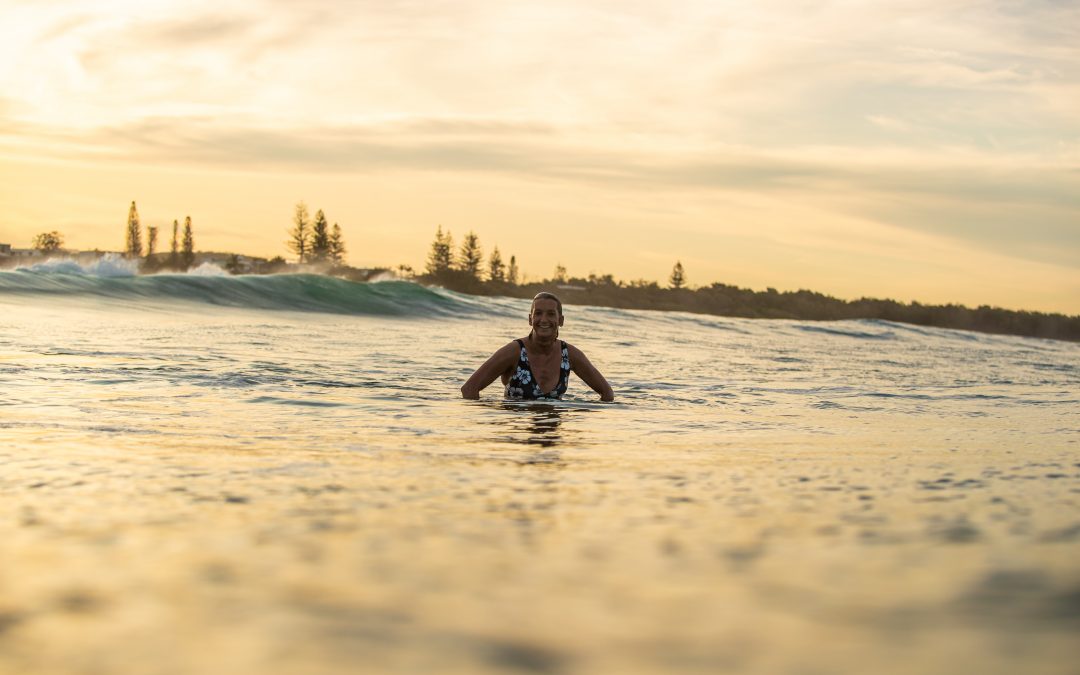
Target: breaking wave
115	278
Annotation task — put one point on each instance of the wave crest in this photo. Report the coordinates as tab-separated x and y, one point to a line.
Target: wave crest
115	278
109	265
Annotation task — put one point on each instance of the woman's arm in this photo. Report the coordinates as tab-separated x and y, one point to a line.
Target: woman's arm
496	365
584	369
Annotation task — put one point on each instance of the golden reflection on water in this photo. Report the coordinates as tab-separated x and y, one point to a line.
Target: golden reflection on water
176	501
537	556
534	424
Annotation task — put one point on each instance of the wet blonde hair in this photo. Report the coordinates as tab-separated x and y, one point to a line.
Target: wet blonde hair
544	295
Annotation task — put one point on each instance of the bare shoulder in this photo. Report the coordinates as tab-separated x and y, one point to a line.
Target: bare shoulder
580	364
574	351
576	355
510	349
501	361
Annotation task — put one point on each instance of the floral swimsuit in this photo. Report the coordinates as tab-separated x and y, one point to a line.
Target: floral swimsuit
523	385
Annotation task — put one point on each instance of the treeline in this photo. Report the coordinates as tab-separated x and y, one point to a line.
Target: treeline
180	257
466	274
727	300
464	270
314	241
181	254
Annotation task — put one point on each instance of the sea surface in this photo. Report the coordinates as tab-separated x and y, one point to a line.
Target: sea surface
212	474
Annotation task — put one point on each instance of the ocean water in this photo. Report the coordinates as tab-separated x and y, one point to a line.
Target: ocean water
213	474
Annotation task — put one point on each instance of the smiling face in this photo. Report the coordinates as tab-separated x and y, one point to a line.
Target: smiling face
545	319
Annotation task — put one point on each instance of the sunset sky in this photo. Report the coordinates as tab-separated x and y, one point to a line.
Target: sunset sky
919	149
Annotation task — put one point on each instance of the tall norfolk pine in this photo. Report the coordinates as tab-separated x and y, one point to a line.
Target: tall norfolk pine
188	255
320	238
441	258
300	235
496	268
471	255
133	238
174	253
512	271
337	246
678	276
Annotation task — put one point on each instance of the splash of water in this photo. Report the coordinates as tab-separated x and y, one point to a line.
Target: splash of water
109	265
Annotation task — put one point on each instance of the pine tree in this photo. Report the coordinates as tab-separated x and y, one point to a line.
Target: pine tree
337	246
678	276
560	273
441	257
471	256
133	240
496	269
149	264
188	255
512	272
174	254
320	238
300	235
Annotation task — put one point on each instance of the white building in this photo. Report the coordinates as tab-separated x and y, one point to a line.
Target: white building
19	254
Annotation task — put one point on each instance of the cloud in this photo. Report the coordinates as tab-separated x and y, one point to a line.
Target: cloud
950	117
889	123
197	31
761	73
1027	209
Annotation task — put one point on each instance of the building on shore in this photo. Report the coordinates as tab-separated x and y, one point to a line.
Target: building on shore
233	262
13	256
84	257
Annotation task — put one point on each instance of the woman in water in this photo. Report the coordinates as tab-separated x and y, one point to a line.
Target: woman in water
538	366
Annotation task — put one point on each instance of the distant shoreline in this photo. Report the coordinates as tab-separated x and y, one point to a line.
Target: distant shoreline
716	299
726	300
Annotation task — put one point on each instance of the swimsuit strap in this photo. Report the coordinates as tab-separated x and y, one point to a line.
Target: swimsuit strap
564	370
523	383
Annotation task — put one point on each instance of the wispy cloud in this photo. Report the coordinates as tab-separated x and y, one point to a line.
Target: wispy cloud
1025	208
955	118
197	32
764	73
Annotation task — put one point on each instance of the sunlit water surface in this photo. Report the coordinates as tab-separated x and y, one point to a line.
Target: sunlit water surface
191	487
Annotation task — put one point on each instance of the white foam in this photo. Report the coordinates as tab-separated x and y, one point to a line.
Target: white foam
109	265
207	269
